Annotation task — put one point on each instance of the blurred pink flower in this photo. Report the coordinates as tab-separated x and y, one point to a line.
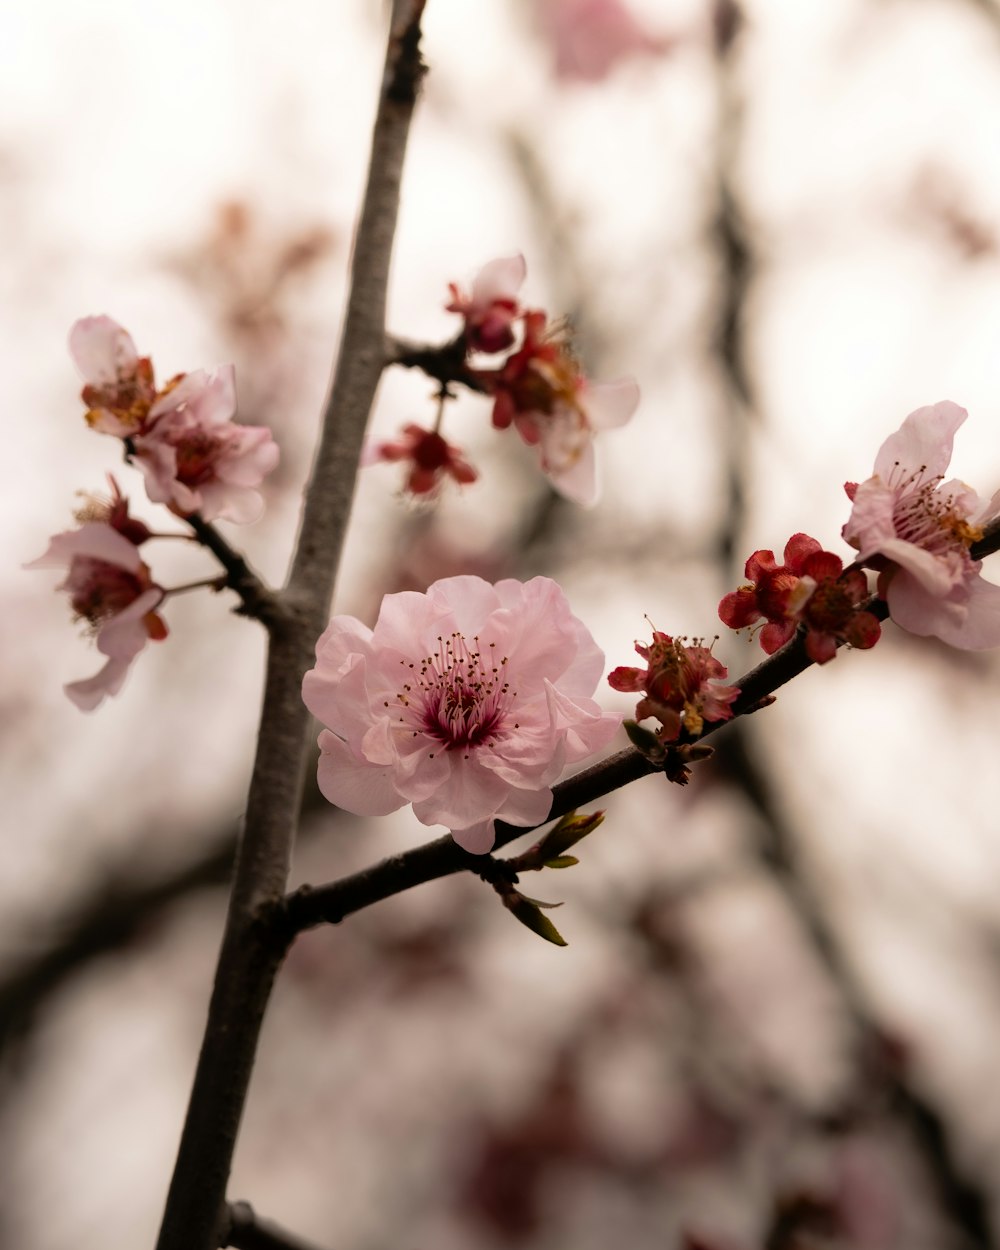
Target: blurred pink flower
110	587
916	530
542	392
492	307
467	701
431	458
589	37
119	388
196	458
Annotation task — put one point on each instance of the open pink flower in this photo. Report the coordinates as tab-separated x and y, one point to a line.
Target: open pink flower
541	391
916	530
682	686
110	587
119	390
196	458
431	459
467	701
492	307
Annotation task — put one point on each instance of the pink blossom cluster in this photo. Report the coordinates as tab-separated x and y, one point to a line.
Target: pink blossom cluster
539	389
110	588
682	686
908	525
183	438
194	459
466	702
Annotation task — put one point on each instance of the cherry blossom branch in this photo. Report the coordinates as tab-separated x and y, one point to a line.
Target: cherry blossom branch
246	1231
258	599
249	959
333	902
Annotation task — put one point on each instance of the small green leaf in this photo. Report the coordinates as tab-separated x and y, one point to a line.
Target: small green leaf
561	861
527	911
567	831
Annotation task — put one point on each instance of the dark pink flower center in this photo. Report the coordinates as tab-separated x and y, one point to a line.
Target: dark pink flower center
459	696
99	590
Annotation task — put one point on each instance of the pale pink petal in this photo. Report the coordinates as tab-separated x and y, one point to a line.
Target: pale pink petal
498	280
923	441
94	539
476	839
102	350
577	479
470	793
208	394
970	621
871	522
609	405
467	600
92	691
353	783
123	636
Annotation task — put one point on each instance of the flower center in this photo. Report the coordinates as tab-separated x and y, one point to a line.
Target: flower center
459	696
929	518
99	590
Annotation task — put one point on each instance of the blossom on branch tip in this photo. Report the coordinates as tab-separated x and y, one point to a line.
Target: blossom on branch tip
431	459
467	701
916	530
119	390
682	686
809	588
194	457
491	308
541	391
110	587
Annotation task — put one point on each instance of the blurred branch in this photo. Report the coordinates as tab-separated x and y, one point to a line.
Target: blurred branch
250	958
964	1202
259	600
246	1231
445	363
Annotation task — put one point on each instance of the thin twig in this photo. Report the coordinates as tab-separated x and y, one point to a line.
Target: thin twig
258	599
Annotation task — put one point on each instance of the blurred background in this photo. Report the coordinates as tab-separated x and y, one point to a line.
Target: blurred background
776	1023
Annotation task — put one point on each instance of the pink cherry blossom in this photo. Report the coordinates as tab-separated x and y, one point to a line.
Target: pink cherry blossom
492	307
589	37
119	388
196	458
467	701
541	390
431	459
110	588
916	530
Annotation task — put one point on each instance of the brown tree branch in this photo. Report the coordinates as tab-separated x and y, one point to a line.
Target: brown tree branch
258	599
195	1210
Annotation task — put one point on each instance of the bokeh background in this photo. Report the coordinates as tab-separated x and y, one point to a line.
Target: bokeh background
777	1020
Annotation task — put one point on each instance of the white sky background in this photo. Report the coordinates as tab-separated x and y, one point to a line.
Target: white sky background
869	127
